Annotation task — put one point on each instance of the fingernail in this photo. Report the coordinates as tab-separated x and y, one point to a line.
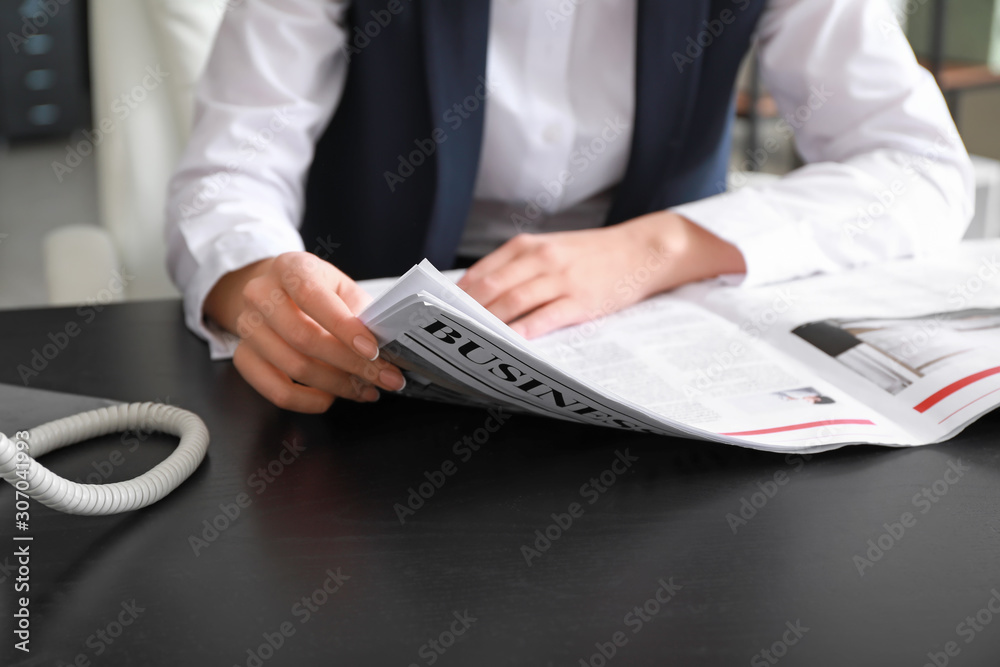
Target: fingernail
393	379
370	394
366	347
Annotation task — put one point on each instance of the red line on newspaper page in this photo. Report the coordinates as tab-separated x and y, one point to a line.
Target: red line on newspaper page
796	427
944	393
976	400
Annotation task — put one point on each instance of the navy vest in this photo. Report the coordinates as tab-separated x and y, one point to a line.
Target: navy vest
392	177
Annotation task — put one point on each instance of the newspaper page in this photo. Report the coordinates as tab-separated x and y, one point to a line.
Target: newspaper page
688	364
918	340
442	346
665	366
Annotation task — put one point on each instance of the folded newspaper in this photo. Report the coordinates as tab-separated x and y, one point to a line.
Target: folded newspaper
903	353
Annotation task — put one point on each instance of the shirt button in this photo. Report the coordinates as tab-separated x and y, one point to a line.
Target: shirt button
552	133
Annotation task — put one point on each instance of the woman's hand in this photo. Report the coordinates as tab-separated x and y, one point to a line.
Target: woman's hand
301	343
539	283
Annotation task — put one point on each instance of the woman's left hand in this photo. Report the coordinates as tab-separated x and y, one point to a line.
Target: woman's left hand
541	282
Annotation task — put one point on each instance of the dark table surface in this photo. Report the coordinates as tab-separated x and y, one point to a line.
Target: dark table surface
318	569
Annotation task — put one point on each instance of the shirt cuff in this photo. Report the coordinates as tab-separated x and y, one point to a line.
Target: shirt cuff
249	243
774	248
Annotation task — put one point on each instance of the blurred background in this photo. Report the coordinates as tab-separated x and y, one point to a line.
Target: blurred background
95	105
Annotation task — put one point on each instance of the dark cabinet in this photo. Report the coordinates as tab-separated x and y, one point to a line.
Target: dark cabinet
44	87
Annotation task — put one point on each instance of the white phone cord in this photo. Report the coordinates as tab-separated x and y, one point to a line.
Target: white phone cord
20	468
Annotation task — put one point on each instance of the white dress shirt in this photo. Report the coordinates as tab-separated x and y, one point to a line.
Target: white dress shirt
887	175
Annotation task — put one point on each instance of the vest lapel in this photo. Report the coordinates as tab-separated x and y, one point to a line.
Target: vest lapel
664	99
455	34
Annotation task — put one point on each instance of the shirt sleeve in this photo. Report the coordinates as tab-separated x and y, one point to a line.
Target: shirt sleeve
274	77
887	174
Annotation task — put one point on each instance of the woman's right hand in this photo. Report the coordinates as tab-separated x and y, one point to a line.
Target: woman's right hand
301	343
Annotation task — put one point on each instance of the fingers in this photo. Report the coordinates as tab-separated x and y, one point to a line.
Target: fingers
294	301
352	294
502	281
288	327
526	297
302	369
326	295
513	263
557	314
496	259
303	345
276	387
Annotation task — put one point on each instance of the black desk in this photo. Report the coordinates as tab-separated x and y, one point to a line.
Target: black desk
329	509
